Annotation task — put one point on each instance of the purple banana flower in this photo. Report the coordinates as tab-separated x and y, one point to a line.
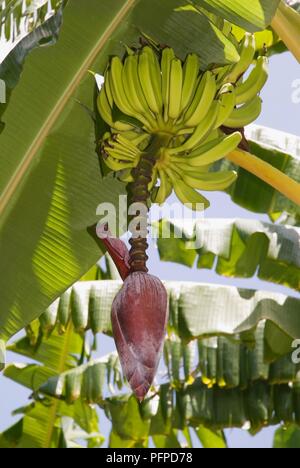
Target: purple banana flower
139	318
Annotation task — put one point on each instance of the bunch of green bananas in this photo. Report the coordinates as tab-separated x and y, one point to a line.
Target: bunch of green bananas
154	94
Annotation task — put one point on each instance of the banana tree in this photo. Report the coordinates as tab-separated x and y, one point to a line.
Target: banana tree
162	114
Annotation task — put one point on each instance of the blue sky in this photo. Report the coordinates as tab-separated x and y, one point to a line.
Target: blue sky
280	112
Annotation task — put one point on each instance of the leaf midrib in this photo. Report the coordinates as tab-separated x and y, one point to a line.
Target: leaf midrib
60	369
18	176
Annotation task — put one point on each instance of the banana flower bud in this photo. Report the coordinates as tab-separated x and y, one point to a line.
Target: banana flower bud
139	319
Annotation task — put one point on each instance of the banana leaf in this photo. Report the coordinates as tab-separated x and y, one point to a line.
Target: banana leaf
253	16
43	421
211	439
196	311
287	437
258	405
43	426
222	363
16	19
243	248
11	68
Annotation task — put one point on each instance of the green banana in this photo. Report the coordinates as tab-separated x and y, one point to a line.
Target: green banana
153	180
106	113
116	166
200	132
134	92
139	140
189	196
227	104
117	87
202	101
164	190
212	151
175	89
119	155
108	90
150	79
167	56
184	167
247	54
210	180
126	176
190	74
254	83
245	114
127	144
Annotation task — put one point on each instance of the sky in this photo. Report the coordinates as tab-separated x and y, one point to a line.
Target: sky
279	112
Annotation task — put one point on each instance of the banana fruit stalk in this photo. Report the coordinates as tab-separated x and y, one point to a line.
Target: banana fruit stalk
153	95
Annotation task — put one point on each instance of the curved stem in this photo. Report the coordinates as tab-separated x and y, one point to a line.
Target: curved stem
269	174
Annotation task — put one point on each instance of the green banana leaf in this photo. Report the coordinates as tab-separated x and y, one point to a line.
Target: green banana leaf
13	14
31	376
267	41
57	352
195	309
175	23
43	423
11	437
221	363
243	248
258	405
44	426
50	181
11	68
252	16
231	365
287	437
87	382
210	438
